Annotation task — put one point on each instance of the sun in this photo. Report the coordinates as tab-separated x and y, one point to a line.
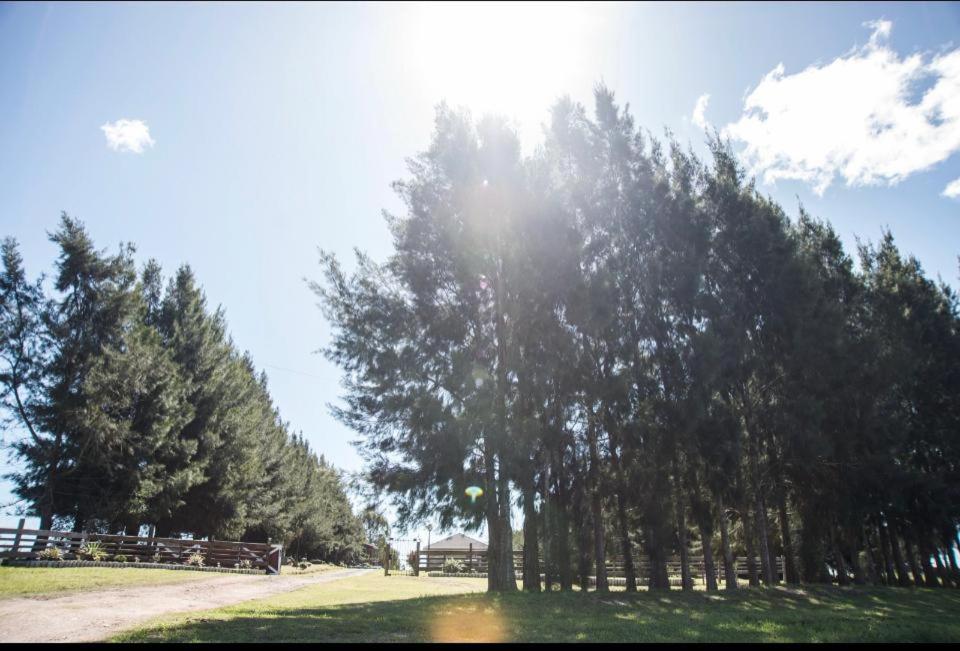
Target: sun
509	58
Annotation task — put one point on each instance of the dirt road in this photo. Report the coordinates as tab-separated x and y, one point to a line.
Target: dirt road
96	615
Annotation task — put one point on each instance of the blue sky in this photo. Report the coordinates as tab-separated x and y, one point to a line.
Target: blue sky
276	129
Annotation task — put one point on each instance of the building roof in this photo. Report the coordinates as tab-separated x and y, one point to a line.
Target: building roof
457	542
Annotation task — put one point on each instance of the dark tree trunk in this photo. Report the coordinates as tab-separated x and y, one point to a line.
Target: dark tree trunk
596	507
858	575
623	527
929	575
903	578
748	542
889	578
790	573
531	546
563	527
686	581
912	558
941	568
548	538
46	524
729	569
842	577
873	561
709	566
583	550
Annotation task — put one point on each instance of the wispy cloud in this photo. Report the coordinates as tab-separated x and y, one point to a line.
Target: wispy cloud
860	117
953	189
699	109
127	135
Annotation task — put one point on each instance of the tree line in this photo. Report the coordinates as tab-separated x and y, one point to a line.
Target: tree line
131	406
642	354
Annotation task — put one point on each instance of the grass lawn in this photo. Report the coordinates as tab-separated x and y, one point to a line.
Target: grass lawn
374	608
28	581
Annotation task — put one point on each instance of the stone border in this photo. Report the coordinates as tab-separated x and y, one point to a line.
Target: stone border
155	566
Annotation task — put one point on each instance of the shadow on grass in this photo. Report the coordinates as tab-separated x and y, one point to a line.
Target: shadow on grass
758	615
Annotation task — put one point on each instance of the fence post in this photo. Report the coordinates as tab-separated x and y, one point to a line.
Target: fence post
386	560
470	559
416	563
16	537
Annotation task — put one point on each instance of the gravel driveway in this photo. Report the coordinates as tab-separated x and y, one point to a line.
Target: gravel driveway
96	615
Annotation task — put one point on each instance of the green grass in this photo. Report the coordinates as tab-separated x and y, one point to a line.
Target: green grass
27	581
374	608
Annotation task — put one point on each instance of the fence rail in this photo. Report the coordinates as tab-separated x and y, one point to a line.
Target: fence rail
475	561
23	543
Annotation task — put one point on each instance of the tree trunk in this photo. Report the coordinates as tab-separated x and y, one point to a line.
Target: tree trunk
873	562
545	516
46	524
729	570
583	547
855	565
941	568
686	581
531	546
754	575
790	573
709	567
629	571
888	573
562	527
903	578
912	558
596	507
929	575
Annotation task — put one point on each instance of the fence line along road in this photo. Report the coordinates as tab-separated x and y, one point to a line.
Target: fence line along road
27	544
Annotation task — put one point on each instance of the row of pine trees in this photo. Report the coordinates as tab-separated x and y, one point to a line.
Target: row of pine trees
127	405
645	356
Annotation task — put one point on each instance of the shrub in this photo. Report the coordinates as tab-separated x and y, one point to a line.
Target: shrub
303	565
453	566
92	551
246	564
120	558
156	558
136	559
51	554
196	560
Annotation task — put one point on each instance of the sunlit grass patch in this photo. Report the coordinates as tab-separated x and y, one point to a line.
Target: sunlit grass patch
377	608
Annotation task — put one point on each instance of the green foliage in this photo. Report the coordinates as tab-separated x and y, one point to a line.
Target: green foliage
139	409
453	566
653	355
195	560
92	550
51	554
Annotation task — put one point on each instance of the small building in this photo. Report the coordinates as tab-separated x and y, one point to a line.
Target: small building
458	542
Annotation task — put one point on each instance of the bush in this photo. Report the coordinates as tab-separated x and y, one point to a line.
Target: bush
156	558
453	566
120	558
51	554
195	560
246	564
303	565
92	551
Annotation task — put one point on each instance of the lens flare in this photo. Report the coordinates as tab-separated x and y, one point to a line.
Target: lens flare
473	492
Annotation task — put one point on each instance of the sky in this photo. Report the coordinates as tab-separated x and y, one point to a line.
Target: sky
239	138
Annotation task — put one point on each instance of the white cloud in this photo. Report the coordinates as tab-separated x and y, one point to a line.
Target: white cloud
953	189
857	117
128	135
699	109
